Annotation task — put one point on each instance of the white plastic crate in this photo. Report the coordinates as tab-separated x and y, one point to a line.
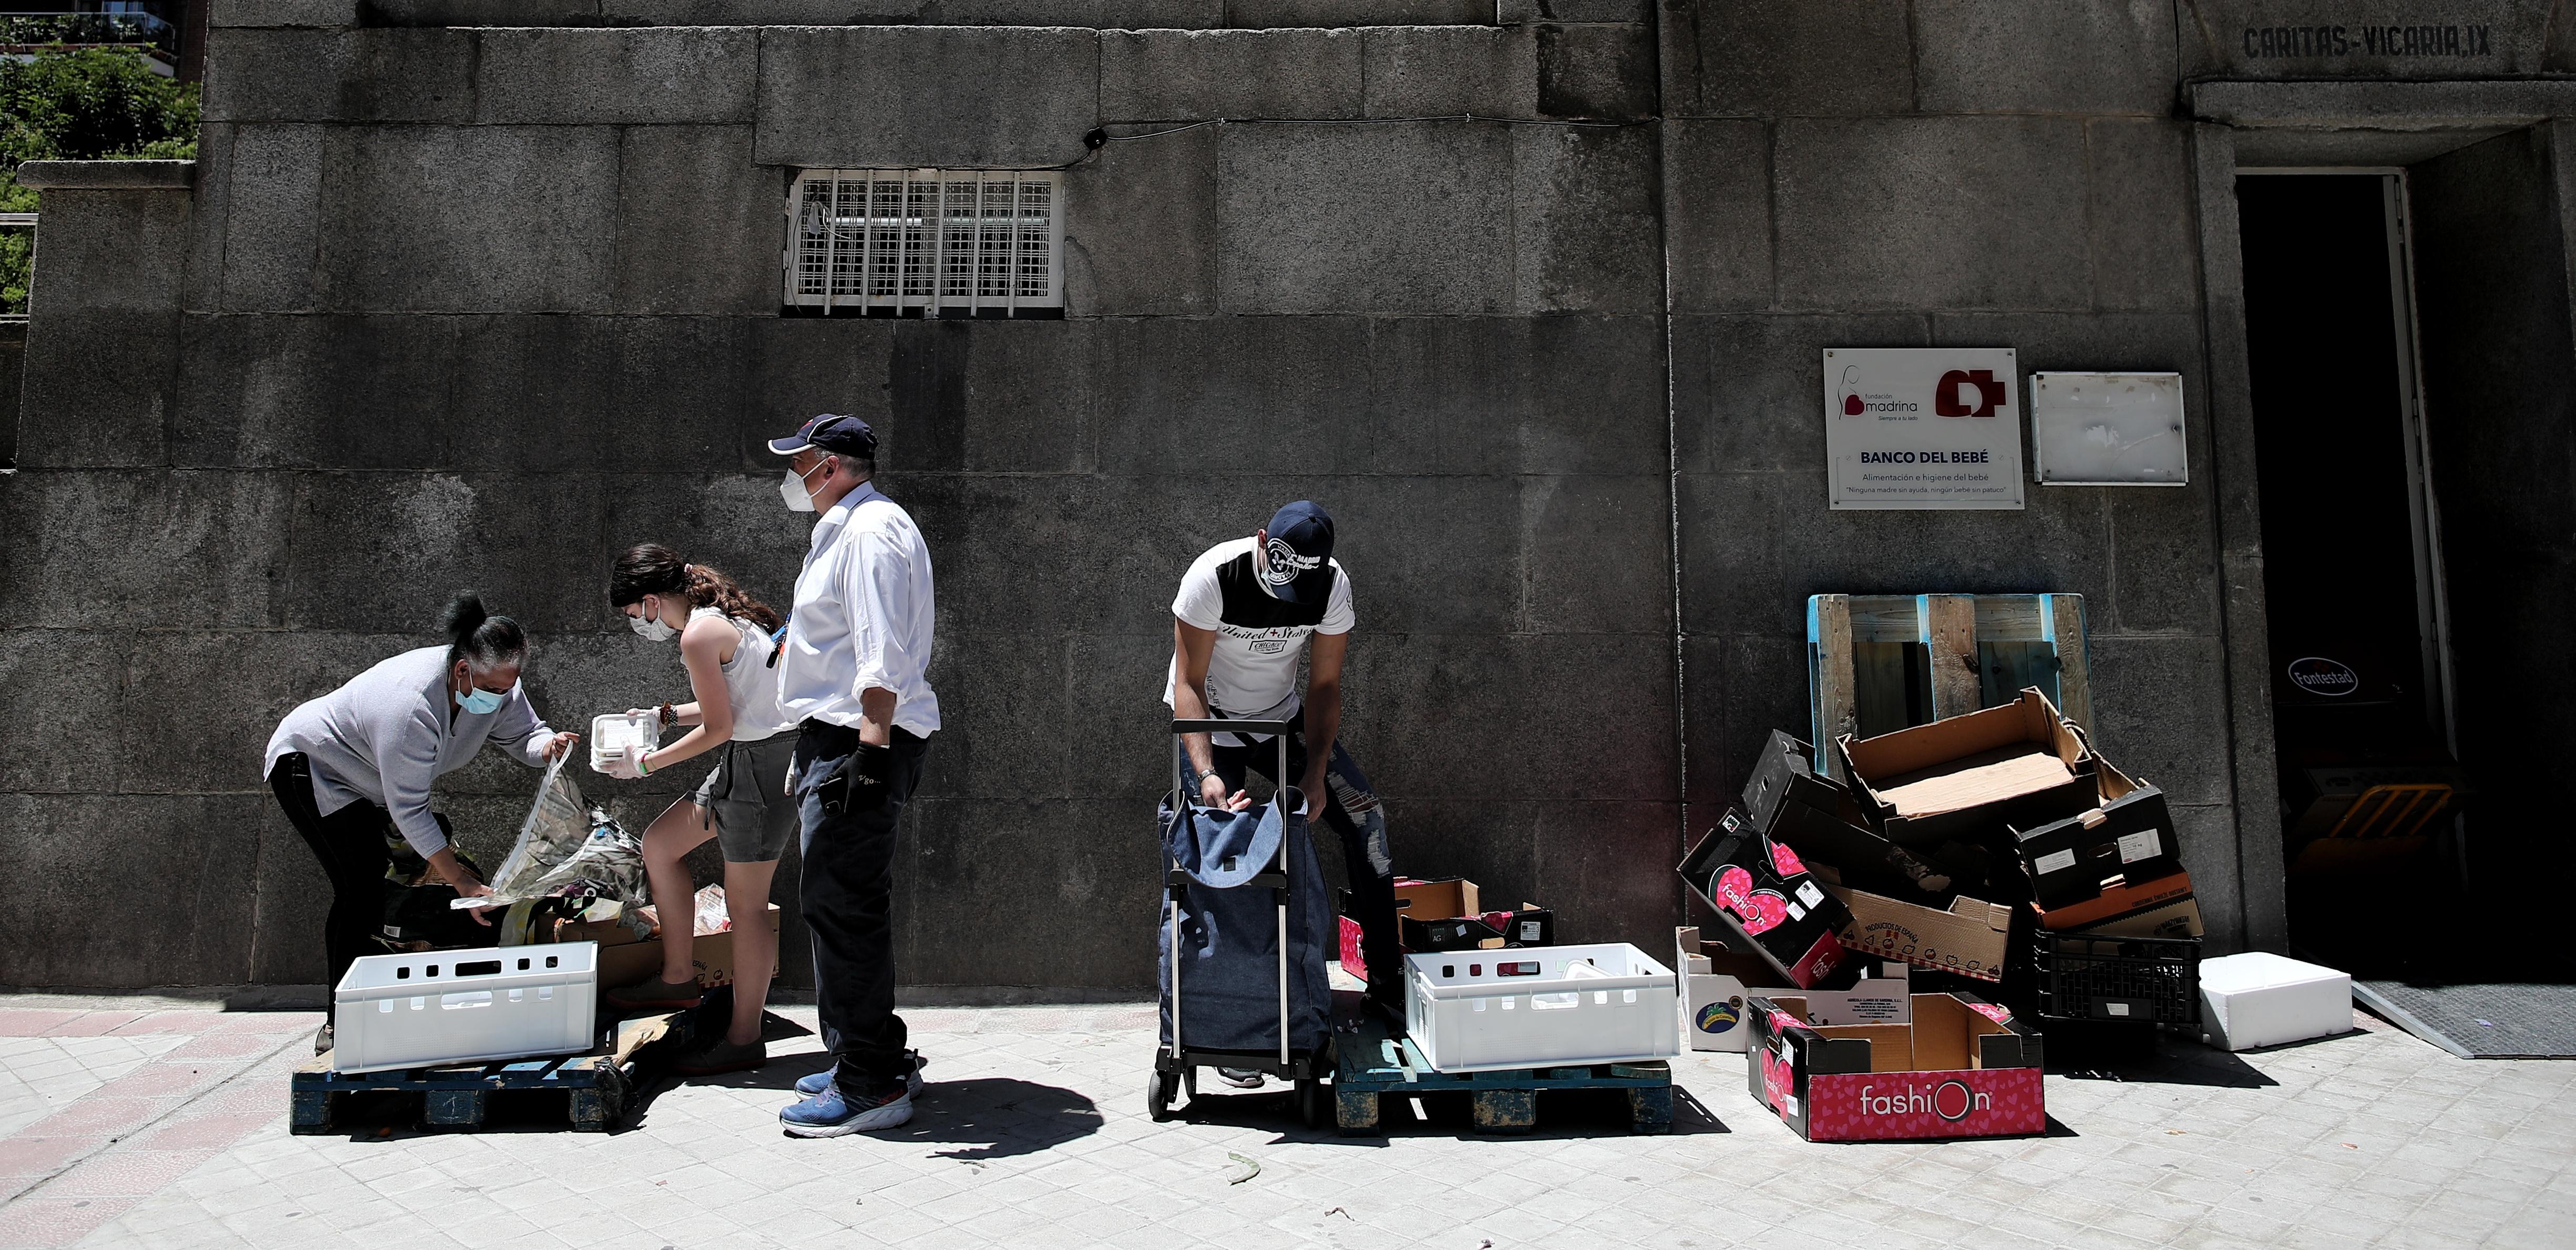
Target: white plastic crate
462	1006
1534	1006
612	732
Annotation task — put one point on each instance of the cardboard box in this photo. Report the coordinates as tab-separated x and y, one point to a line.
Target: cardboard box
1962	1068
2019	765
625	959
2261	999
2162	908
1812	813
1425	922
1970	939
1716	983
1771	904
2130	837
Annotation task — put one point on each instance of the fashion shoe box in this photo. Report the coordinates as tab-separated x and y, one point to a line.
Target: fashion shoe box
2161	908
1786	798
2261	999
1771	905
625	959
1447	915
1961	1067
1716	983
1969	777
2130	837
1970	937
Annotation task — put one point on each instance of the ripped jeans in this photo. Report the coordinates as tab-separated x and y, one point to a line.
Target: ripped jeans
1351	807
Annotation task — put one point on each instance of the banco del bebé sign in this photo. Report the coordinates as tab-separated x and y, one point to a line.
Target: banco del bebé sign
1923	427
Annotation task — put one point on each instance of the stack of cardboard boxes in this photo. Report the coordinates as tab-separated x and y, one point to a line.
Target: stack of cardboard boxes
1448	915
1993	849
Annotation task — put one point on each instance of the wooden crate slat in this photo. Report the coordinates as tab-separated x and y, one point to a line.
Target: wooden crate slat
2063	618
1830	690
1949	625
1978	651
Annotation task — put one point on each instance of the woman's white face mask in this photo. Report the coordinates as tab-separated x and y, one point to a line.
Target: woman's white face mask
793	490
647	621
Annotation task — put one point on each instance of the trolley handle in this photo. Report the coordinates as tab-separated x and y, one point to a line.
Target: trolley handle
1265	728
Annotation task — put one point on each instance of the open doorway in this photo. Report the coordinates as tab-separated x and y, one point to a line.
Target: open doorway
2353	571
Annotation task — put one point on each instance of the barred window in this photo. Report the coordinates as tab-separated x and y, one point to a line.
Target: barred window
926	243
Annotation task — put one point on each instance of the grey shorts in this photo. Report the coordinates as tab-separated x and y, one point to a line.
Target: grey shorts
746	796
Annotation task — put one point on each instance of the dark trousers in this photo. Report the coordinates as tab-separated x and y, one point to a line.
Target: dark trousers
847	895
350	843
1352	810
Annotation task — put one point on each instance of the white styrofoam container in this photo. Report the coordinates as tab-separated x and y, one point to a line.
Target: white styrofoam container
612	732
1479	1010
2261	999
460	1006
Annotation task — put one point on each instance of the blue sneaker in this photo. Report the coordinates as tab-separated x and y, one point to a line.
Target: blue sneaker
829	1114
813	1083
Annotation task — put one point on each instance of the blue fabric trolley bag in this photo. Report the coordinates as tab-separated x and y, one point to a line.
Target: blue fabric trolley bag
1246	930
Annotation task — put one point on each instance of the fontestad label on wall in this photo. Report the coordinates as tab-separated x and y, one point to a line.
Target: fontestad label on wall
1923	427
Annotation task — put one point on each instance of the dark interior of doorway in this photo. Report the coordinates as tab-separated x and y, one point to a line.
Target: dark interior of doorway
2356	702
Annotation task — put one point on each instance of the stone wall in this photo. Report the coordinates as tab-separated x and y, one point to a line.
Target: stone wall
453	304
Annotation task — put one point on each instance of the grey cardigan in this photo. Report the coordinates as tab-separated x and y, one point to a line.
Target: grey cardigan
385	736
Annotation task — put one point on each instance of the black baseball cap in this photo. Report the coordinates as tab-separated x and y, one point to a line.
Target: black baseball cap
1298	565
830	432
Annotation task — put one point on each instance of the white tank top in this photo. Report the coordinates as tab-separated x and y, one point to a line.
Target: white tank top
750	683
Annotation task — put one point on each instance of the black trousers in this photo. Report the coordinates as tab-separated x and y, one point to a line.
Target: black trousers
1352	809
350	843
847	895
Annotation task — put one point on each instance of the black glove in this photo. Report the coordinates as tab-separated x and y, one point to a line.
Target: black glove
869	775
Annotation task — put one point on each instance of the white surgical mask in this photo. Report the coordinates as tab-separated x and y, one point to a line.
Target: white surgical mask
649	624
793	491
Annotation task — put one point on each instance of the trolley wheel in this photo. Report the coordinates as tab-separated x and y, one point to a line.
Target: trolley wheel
1158	1096
1310	1102
1190	1083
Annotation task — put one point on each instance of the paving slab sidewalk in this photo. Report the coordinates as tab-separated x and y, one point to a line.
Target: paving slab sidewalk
147	1123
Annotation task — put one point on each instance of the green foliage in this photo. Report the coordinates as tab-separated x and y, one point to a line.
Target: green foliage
90	104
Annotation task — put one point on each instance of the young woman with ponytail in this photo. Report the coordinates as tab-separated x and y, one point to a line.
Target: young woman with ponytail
725	645
358	762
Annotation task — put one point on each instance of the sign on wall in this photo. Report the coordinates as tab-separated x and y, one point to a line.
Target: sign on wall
1923	427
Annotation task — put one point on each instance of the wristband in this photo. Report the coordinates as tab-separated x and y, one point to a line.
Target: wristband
644	764
669	716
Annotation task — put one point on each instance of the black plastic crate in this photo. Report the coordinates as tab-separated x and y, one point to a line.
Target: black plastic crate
2082	976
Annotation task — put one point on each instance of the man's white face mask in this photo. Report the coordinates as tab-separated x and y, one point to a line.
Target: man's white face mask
793	490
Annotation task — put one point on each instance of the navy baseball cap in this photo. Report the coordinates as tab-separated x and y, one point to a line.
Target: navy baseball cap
830	432
1297	566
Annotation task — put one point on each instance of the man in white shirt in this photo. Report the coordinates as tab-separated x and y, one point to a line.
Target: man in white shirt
851	670
1247	611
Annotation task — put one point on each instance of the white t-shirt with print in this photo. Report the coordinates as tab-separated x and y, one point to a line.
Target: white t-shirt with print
1252	670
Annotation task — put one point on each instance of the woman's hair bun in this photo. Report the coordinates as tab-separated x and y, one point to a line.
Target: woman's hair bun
463	616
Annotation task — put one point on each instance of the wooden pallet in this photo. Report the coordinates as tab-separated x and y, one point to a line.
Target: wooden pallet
595	1087
1371	1066
1880	663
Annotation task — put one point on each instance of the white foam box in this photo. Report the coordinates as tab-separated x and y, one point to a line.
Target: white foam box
2262	999
465	1006
1488	1010
612	732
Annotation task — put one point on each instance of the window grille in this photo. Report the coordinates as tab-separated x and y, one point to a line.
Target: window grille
926	242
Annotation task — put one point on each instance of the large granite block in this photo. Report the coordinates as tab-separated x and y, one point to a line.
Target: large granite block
990	397
991	98
1519	12
1140	227
179	889
732	522
60	687
492	218
1946	212
699	227
1450	395
1586	236
1424	554
322	391
1596	396
270	178
1005	703
293	901
385	551
85	404
803	366
1760	58
483	12
575	77
145	549
1606	867
1117	682
1281	13
585	394
2160	713
2364	39
109	251
1172	75
1385	218
2165	569
1717	215
1596	71
2139	203
1231	395
970	866
1458	706
2009	56
1748	391
175	735
1000	543
1599	554
339	75
323	13
1736	689
1440	71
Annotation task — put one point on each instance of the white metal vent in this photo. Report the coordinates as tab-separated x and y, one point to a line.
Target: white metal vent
946	242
